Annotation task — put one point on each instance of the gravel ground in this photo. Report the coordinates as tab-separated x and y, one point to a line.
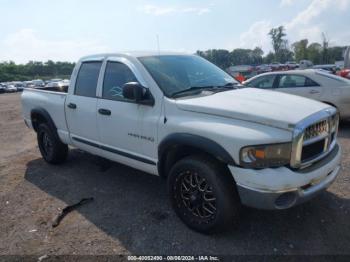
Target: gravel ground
131	214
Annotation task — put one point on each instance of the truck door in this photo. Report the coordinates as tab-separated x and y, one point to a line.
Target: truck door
120	121
81	107
299	85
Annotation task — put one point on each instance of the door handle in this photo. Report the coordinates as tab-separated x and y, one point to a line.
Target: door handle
72	105
314	92
105	112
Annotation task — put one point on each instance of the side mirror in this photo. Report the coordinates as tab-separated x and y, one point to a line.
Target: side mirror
138	93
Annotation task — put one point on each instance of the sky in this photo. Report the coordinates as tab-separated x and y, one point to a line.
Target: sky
65	30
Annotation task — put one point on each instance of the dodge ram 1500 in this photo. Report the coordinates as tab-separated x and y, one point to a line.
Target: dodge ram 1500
182	118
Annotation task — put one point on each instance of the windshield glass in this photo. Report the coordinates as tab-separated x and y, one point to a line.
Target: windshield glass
176	73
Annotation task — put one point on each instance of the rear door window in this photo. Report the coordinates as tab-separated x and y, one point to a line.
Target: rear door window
264	82
290	81
87	79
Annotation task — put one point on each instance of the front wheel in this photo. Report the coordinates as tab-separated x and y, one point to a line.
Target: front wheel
50	146
203	194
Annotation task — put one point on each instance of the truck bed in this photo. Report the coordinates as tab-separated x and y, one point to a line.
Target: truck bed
53	102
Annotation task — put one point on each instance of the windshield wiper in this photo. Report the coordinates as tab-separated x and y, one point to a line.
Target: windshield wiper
192	88
201	88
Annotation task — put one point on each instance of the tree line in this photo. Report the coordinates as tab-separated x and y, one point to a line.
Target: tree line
9	71
318	53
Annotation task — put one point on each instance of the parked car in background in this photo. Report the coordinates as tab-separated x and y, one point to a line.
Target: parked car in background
275	66
11	88
56	80
38	83
310	83
2	89
242	72
28	84
19	85
264	68
57	86
291	65
345	73
332	68
304	64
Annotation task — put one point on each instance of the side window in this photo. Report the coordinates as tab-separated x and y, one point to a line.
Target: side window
264	82
296	81
87	79
116	75
310	82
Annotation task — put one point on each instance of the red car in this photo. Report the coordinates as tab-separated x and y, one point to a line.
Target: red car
345	73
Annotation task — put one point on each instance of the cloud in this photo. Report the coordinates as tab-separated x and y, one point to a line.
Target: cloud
304	24
26	44
257	35
315	8
165	10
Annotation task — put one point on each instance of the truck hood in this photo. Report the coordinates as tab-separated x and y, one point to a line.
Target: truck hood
254	105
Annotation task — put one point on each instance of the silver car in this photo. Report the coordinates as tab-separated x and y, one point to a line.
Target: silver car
310	83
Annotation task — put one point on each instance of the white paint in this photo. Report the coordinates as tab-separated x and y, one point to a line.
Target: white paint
233	119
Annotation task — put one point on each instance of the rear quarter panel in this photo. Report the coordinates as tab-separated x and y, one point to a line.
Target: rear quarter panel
52	102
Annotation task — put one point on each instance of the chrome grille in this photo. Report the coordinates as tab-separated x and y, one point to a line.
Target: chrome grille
314	138
319	129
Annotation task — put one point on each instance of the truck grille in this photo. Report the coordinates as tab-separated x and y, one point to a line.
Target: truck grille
312	150
316	140
318	129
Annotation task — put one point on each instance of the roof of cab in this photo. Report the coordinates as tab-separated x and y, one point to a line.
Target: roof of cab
132	54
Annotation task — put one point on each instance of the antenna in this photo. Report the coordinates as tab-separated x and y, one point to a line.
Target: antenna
158	45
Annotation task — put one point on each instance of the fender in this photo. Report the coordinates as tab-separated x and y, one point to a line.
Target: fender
201	143
44	115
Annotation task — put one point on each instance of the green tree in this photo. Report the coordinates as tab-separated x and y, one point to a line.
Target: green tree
219	57
9	71
257	55
325	45
314	53
279	43
300	49
336	53
269	58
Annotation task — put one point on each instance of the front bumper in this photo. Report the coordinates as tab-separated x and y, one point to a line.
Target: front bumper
282	188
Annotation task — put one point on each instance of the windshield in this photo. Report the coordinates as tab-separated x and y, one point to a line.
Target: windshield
176	73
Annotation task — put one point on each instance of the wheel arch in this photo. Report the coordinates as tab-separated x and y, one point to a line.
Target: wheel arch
40	115
179	145
330	103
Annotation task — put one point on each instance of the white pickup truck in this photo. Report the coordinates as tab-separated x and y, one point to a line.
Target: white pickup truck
182	118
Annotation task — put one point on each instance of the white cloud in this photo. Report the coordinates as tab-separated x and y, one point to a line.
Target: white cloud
26	44
157	10
304	25
164	10
257	35
315	8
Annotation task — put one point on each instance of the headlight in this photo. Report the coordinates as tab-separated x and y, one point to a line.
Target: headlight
262	156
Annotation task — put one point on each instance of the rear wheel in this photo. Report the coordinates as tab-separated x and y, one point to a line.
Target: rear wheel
203	194
50	146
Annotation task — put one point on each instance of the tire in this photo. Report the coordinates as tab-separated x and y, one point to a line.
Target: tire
203	194
51	148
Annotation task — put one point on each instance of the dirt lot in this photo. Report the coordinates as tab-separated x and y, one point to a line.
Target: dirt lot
131	214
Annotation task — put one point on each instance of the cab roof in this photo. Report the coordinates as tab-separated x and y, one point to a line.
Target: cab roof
134	54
